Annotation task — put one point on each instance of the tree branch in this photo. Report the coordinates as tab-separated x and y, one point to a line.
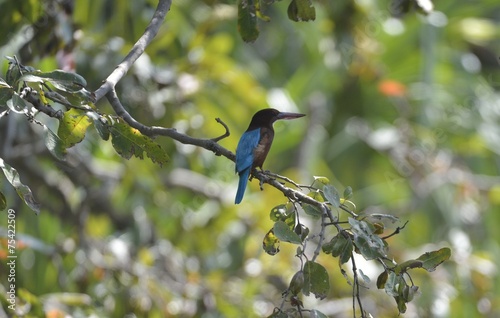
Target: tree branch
137	50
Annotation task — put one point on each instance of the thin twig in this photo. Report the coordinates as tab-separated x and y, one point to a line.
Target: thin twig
226	134
397	231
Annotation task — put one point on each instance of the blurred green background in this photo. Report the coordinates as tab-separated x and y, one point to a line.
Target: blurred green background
405	110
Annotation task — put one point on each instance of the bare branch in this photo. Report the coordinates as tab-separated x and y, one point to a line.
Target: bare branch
137	50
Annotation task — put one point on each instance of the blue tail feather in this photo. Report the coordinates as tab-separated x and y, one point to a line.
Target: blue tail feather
242	185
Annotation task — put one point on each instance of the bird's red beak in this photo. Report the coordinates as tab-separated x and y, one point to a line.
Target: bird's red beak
284	115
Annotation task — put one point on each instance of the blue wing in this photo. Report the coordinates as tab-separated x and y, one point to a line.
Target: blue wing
244	160
244	152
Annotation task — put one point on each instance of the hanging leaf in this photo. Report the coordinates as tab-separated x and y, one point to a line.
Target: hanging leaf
247	20
271	244
284	233
129	142
382	279
316	280
72	127
431	260
301	10
54	144
369	244
22	190
296	283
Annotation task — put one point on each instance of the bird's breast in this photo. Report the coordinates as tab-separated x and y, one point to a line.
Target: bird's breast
260	152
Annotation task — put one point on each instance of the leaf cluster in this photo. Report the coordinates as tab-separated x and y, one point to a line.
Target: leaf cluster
62	95
342	236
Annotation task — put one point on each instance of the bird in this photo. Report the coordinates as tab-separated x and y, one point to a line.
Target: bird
255	143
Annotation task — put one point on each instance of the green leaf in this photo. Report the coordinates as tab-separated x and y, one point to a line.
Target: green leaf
431	260
17	104
339	246
302	231
296	283
284	233
129	142
316	280
382	279
331	195
317	314
370	245
322	180
13	72
271	244
100	124
72	127
22	190
312	210
6	93
247	20
285	213
301	10
62	80
347	193
54	144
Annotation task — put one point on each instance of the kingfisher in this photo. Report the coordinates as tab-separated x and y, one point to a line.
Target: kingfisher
255	143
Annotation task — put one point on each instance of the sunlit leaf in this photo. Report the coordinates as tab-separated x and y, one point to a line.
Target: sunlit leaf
22	190
316	280
129	142
369	244
247	20
431	260
322	180
72	127
65	81
284	233
271	244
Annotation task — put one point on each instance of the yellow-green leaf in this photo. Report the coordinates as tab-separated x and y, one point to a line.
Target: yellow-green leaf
129	142
72	127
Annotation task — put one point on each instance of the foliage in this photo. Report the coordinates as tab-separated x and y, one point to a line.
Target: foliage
401	105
